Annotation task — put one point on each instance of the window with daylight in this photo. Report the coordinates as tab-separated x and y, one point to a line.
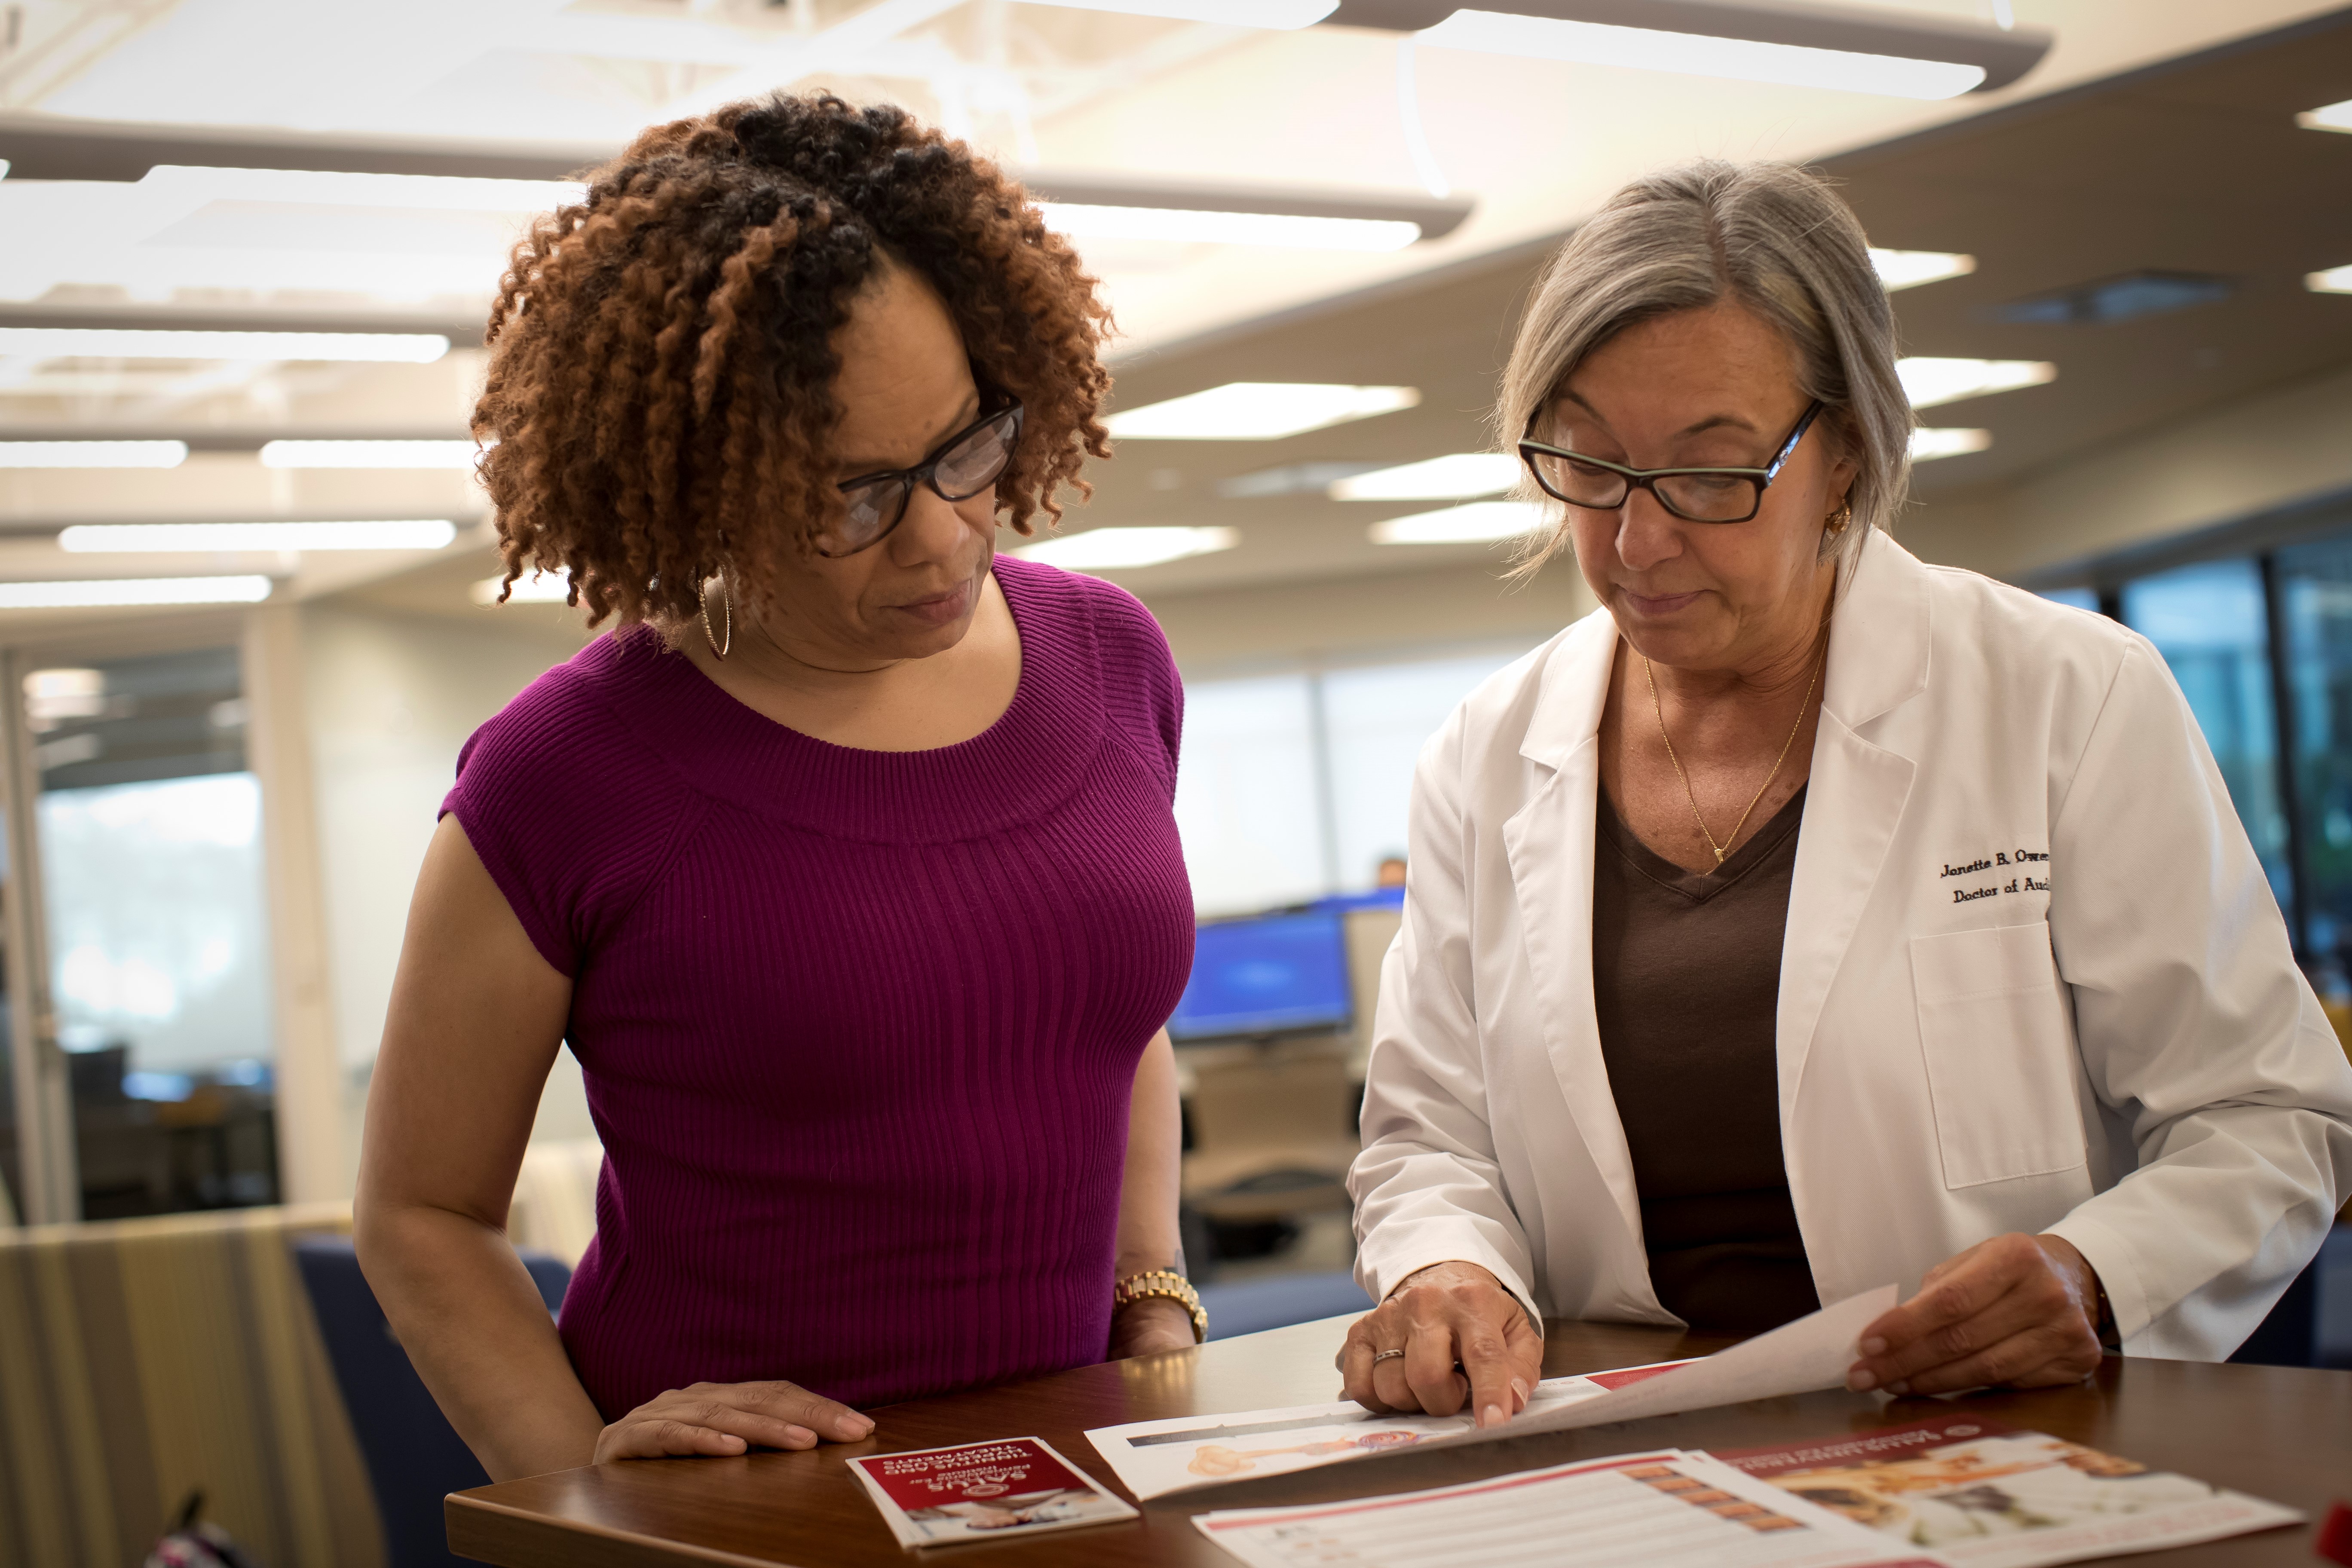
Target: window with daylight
1296	787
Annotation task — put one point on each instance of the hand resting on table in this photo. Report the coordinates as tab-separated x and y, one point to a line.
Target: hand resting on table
728	1418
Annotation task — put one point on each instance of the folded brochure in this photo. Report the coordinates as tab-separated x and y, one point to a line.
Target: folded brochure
1957	1492
984	1491
1984	1495
1154	1458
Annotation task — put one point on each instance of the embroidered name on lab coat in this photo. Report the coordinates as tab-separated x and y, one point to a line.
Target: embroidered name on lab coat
2027	861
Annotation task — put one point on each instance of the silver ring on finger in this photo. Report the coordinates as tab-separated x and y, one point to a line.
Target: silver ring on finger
1385	1355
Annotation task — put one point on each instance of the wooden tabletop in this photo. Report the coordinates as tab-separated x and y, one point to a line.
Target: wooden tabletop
2275	1432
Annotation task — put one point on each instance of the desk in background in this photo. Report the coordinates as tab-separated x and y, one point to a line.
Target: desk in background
2278	1433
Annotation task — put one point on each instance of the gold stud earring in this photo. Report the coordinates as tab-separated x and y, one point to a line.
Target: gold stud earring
1840	518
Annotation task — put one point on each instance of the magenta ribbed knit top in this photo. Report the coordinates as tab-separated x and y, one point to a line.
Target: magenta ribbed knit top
858	1027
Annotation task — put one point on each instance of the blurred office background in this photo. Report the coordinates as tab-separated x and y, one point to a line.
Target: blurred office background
245	251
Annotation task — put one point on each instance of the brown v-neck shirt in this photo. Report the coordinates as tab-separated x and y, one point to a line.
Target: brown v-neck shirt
1686	983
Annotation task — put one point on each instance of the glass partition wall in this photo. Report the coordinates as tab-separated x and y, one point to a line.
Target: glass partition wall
2261	642
138	898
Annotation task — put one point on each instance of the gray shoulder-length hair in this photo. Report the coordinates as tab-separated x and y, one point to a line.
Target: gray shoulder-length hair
1776	239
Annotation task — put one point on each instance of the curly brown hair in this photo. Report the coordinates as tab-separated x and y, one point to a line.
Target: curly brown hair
661	361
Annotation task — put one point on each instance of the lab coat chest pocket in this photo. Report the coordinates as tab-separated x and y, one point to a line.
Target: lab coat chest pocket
2000	1054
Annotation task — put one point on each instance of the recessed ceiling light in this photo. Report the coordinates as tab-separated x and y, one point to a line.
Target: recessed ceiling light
368	454
1291	479
131	343
212	538
325	187
113	591
1477	522
2335	281
1186	226
1928	444
1125	549
532	588
1234	13
1258	411
92	454
1909	269
1695	53
1457	476
2332	117
1927	382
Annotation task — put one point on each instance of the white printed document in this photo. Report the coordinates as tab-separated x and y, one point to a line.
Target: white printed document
1989	1496
1153	1459
1666	1509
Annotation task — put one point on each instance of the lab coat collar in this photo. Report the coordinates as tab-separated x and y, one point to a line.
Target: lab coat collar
1878	656
1878	634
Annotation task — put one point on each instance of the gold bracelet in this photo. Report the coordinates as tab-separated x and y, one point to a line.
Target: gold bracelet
1164	1283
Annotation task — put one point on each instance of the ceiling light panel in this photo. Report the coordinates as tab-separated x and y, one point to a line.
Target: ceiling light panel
2331	117
532	588
1127	549
192	185
368	454
1909	269
1928	444
2335	281
1284	13
1455	477
224	538
1290	231
127	342
125	591
92	454
1258	411
1927	382
1692	54
1478	522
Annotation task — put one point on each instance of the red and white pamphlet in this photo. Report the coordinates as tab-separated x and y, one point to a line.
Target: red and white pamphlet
1982	1495
984	1491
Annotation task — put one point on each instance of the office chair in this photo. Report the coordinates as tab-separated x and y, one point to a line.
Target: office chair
414	1457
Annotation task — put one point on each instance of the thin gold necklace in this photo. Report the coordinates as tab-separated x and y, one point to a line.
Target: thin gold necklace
1723	849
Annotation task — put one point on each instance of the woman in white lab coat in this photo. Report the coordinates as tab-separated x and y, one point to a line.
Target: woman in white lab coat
1807	918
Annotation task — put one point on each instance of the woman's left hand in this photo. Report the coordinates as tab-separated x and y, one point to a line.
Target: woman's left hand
1154	1323
2020	1311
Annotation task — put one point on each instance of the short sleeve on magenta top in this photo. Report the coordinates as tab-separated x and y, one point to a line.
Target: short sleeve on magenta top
857	1027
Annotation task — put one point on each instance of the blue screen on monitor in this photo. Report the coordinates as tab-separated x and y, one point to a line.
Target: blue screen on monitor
1265	976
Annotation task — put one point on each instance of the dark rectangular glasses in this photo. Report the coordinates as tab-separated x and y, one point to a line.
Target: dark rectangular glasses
1694	494
958	468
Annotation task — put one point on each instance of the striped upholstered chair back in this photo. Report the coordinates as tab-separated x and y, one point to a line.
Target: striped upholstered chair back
142	1359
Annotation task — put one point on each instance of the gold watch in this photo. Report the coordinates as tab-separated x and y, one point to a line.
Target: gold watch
1167	1283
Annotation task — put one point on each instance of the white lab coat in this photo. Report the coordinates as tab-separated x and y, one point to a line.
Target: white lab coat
2033	979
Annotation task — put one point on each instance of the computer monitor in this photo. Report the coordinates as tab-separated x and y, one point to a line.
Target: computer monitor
1270	974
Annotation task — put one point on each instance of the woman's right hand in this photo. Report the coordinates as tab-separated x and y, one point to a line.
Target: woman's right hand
1447	1315
728	1418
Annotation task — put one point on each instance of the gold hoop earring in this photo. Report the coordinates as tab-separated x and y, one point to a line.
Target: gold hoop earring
1840	518
727	611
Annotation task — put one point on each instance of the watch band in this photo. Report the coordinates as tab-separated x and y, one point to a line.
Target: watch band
1165	1283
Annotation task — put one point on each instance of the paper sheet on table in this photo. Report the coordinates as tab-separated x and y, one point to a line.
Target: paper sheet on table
1813	1352
1664	1509
1154	1458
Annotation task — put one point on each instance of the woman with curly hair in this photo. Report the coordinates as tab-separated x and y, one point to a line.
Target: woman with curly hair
846	864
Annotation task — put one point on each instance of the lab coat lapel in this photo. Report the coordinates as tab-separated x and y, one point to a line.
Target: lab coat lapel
1549	843
1856	793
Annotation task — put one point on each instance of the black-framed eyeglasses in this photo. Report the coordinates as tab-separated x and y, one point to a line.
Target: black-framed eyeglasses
958	468
1694	494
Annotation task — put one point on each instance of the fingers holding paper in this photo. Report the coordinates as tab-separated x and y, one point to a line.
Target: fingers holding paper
2018	1310
1463	1339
